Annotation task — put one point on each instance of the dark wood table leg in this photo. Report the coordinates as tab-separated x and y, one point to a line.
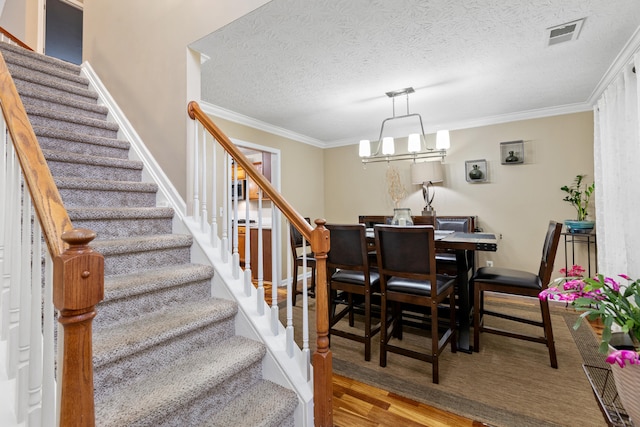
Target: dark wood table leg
464	302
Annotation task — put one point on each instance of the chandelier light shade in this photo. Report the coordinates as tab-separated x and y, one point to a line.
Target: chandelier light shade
365	148
416	141
388	147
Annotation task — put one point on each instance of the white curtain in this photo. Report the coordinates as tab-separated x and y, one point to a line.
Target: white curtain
617	174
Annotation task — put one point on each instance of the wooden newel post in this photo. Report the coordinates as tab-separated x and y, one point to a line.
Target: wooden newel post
322	359
78	285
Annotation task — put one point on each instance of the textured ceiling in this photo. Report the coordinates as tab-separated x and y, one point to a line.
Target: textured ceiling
321	68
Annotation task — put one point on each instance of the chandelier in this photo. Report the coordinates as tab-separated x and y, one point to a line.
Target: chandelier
416	141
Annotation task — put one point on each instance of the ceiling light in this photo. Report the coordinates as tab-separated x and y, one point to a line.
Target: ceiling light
416	142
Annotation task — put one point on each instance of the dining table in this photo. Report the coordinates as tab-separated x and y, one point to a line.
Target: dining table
461	244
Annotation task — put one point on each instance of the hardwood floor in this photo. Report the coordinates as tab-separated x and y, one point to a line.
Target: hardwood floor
356	404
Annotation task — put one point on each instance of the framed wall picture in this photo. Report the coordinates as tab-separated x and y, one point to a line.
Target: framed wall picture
476	170
512	152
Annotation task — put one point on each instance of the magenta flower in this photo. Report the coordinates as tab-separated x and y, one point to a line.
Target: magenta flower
612	284
621	357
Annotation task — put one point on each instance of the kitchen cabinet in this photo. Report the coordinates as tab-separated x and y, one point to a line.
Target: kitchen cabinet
264	167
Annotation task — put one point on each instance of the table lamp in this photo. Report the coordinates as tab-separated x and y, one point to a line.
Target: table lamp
426	174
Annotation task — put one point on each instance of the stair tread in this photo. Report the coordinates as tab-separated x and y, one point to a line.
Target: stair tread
120	213
130	336
141	243
126	285
103	184
35	93
172	387
69	157
42	131
15	59
33	110
264	404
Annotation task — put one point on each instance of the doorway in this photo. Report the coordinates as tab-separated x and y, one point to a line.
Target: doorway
63	30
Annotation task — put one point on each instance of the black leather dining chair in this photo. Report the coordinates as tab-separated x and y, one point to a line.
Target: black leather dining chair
298	261
407	266
348	272
521	283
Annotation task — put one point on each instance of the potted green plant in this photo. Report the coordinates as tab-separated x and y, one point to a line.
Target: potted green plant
579	199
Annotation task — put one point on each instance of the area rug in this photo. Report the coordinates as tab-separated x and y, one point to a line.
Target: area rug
508	383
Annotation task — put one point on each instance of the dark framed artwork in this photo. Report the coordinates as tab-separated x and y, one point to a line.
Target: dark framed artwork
476	170
512	152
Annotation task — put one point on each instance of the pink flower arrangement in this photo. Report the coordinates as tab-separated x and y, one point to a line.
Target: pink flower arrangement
602	298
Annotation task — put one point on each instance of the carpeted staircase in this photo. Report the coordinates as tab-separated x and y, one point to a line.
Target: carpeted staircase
165	351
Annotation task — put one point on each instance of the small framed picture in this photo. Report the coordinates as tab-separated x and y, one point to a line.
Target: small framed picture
476	170
512	152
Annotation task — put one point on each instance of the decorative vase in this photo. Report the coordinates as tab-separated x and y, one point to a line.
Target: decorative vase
627	380
402	217
511	158
475	173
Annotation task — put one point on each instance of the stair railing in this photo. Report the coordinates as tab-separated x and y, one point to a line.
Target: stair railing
7	37
205	162
48	386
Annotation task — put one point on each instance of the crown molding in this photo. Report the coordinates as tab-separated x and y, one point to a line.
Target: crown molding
225	114
623	58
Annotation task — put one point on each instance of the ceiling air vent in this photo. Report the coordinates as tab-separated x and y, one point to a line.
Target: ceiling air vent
564	32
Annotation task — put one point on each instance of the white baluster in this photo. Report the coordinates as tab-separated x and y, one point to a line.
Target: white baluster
34	412
196	175
214	198
260	300
50	408
205	215
236	255
24	329
224	249
305	312
4	194
248	284
14	275
275	320
289	328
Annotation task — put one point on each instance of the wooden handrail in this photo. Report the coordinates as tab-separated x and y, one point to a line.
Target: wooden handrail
78	283
318	238
14	39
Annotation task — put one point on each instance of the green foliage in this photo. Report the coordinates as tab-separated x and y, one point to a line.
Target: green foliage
578	198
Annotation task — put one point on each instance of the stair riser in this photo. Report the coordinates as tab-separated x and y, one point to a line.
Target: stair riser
110	311
112	228
127	262
71	127
110	378
49	143
73	197
208	405
78	94
63	108
81	170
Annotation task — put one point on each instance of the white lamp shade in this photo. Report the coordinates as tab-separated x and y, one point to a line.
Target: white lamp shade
387	146
426	172
365	148
413	143
442	140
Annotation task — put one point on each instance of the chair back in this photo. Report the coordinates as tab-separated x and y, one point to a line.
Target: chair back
296	239
348	248
464	224
549	250
407	252
370	220
423	220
